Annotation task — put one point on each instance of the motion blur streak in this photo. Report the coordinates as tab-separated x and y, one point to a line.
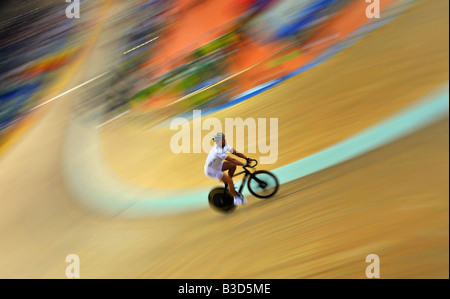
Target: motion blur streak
391	201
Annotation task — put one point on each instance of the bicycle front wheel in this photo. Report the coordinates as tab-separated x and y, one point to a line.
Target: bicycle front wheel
263	184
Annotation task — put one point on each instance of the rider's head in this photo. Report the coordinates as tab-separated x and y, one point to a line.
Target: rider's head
219	139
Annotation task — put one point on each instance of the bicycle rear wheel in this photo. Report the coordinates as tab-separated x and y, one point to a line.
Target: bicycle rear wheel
263	184
221	200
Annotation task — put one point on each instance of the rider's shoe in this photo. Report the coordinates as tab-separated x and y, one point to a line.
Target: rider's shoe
240	200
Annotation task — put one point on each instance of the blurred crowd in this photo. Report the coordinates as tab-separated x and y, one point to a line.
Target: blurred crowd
144	21
33	46
43	40
281	22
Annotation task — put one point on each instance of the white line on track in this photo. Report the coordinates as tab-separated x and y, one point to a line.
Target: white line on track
111	120
137	47
68	91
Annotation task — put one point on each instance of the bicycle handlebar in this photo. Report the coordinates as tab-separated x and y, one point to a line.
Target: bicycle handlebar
248	164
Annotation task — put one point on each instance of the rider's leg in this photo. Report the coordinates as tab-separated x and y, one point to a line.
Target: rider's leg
227	180
231	167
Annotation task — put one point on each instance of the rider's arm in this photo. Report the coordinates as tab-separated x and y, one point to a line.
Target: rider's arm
234	161
240	155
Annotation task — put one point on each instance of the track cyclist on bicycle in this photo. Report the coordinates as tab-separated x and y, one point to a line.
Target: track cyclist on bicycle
218	161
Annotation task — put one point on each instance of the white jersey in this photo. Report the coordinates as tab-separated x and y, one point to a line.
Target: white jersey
216	156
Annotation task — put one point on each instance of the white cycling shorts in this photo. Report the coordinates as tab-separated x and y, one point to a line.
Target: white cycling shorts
213	173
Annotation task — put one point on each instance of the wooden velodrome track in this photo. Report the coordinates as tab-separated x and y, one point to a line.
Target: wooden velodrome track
392	202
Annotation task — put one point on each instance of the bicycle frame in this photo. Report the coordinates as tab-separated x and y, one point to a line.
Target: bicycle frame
248	173
244	180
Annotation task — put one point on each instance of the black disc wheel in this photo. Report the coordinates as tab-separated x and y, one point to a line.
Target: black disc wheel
221	200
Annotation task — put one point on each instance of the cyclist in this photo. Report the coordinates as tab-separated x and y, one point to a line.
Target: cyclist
218	161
